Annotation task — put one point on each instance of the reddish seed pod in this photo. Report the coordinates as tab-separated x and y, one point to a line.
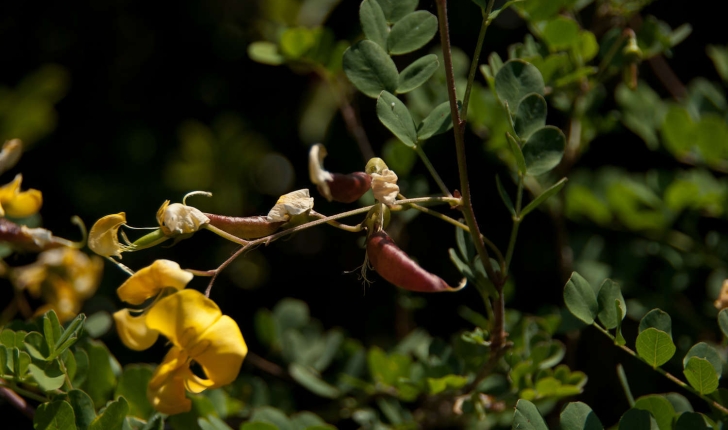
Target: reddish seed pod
25	239
348	188
251	227
395	266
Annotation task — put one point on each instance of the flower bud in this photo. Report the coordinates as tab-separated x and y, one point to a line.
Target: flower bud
375	165
178	219
10	154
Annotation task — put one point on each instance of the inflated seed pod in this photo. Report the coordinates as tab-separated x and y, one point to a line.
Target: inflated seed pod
398	268
339	187
348	188
251	227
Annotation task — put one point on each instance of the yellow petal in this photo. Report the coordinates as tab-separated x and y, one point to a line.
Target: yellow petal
24	204
150	280
133	331
183	316
290	205
103	237
195	384
224	354
9	190
166	389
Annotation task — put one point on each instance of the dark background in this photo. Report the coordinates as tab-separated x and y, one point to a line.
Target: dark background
136	71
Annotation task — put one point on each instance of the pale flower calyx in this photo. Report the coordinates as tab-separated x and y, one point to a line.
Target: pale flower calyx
290	205
177	219
384	186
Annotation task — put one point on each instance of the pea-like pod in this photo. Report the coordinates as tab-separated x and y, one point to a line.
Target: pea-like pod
251	227
398	268
348	188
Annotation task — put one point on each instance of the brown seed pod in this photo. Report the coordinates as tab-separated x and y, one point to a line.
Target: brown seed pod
28	239
398	268
348	188
251	227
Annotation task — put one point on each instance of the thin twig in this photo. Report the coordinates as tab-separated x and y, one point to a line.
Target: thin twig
433	172
266	366
17	402
350	228
476	57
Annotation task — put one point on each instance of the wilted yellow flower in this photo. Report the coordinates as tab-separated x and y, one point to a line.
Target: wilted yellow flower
16	203
178	219
62	277
384	186
149	281
290	205
199	332
103	238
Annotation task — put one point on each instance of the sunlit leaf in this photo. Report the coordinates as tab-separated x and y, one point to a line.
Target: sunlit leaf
655	346
660	408
608	293
703	350
701	375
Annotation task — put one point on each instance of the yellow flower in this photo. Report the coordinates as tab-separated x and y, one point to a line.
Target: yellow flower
63	278
149	281
103	238
199	332
19	204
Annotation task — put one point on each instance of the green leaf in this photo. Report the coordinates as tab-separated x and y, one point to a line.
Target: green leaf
57	415
51	330
396	117
515	80
312	381
83	408
98	324
552	190
637	419
517	153
373	22
21	363
417	73
703	350
265	327
438	121
679	402
37	346
267	414
527	417
101	380
719	55
387	369
691	421
398	157
265	53
504	196
561	33
530	115
211	422
81	358
660	408
395	10
49	377
658	319
580	298
306	420
723	321
543	150
608	293
701	375
133	387
579	416
655	346
370	69
297	42
259	426
72	332
438	385
411	32
112	417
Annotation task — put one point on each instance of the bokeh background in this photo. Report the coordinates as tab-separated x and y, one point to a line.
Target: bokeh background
124	104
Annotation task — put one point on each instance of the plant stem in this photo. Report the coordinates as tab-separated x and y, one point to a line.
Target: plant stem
466	207
476	58
23	392
664	373
225	235
350	228
516	223
16	401
432	170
